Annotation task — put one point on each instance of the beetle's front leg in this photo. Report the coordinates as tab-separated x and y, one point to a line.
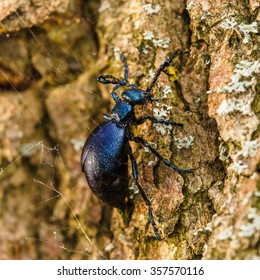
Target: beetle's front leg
114	95
143	118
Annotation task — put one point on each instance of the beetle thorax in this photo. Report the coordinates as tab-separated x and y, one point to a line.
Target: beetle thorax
135	96
122	113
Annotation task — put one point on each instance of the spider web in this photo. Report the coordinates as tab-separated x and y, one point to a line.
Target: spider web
42	160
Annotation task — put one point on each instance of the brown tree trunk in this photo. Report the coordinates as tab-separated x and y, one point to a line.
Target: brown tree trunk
50	102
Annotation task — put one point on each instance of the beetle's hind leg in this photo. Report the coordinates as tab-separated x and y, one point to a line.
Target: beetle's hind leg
165	161
145	198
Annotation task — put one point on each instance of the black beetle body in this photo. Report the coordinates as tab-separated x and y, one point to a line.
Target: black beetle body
105	154
104	161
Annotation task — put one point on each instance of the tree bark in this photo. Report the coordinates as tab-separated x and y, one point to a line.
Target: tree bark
16	14
50	102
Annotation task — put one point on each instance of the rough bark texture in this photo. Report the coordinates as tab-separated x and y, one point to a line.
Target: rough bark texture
50	102
16	14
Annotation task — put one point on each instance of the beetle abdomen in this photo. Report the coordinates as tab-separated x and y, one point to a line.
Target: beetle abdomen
104	162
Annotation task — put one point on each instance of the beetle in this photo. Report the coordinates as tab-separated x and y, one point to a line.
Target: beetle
105	155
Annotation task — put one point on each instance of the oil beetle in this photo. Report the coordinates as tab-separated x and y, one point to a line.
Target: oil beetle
105	154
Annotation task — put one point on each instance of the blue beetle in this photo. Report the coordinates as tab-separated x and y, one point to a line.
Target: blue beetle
105	154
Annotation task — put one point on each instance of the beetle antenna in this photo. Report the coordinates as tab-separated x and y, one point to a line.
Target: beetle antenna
161	68
125	66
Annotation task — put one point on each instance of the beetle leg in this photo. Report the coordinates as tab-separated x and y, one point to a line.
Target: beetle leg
165	161
113	93
145	198
143	118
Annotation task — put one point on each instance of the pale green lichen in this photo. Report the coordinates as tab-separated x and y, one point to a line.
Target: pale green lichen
166	90
150	10
149	76
162	42
227	233
234	105
77	144
109	247
133	189
163	129
249	229
228	23
158	42
184	142
246	29
249	149
242	78
257	194
146	49
162	111
117	53
207	228
152	162
190	5
148	35
238	167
